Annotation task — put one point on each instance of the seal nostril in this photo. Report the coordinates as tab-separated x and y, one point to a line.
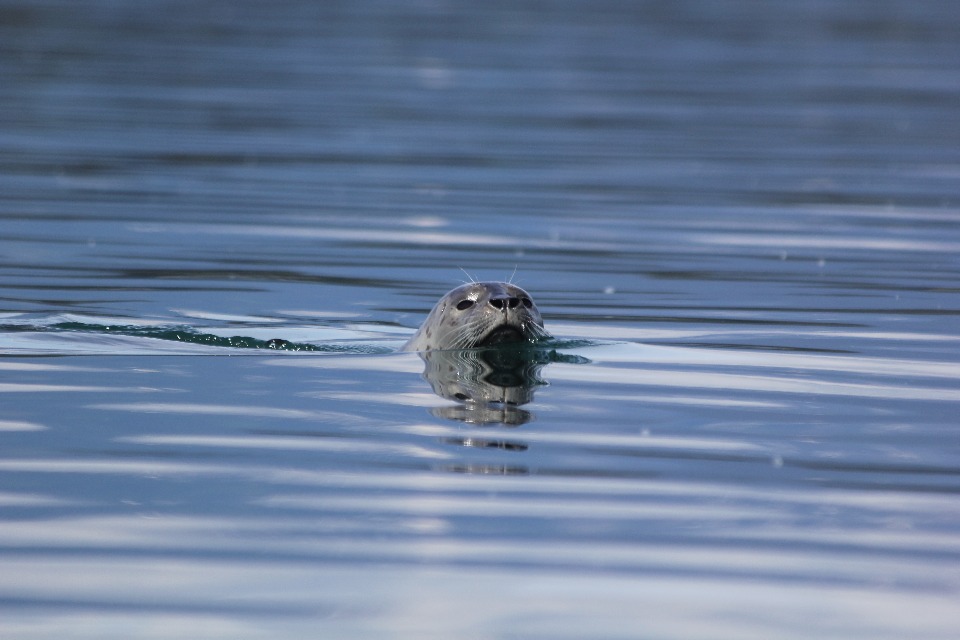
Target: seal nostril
513	302
497	303
464	304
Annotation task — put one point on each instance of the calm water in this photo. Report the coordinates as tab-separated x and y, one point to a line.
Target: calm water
740	220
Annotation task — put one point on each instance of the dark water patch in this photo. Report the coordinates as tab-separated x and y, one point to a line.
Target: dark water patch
190	335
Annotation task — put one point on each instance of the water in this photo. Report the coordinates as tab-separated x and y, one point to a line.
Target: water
740	221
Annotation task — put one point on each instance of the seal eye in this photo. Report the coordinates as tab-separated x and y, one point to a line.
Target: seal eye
464	304
527	302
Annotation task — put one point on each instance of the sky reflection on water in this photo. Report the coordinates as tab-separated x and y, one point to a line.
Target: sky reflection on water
739	219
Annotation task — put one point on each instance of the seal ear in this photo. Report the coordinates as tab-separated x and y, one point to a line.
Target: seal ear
464	304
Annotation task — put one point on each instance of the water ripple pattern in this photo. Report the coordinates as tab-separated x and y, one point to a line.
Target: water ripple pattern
219	221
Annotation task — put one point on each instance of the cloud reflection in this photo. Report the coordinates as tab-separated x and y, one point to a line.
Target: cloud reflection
19	425
683	379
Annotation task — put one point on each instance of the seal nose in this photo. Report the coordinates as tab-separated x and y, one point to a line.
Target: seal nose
504	303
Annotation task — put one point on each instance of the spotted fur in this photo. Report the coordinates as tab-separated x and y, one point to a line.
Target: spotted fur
479	313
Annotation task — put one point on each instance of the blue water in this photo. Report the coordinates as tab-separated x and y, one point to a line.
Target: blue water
740	220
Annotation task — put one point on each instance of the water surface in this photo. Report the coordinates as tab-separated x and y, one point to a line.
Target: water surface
740	222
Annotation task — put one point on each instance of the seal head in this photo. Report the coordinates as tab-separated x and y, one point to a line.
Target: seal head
479	314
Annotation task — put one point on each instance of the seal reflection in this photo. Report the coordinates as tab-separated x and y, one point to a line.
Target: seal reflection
489	385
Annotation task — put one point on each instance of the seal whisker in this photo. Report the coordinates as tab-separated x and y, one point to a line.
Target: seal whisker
466	273
468	334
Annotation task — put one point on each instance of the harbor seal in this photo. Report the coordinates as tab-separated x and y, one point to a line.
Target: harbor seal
479	314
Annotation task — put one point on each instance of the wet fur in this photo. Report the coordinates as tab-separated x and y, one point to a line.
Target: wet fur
447	327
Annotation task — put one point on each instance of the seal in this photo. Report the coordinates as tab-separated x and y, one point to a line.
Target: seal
479	314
